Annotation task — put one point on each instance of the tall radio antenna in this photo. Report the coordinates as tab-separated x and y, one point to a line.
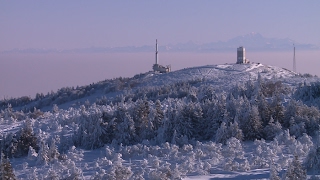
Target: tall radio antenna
294	59
157	51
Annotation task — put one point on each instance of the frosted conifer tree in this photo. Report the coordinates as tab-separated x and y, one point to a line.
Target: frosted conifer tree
251	125
295	171
234	156
277	109
274	175
235	131
141	117
32	155
124	131
43	158
159	115
52	175
222	134
53	152
263	108
272	129
26	138
312	161
6	170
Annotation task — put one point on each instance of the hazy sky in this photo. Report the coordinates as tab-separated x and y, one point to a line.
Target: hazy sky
78	24
71	24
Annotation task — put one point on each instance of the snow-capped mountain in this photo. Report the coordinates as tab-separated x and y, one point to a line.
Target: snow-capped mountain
252	41
229	121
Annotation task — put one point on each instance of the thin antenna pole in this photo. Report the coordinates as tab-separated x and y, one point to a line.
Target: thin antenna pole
156	51
294	59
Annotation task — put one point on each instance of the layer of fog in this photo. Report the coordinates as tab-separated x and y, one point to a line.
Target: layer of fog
28	74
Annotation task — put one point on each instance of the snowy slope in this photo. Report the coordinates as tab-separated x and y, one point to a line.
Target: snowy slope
221	77
197	160
225	75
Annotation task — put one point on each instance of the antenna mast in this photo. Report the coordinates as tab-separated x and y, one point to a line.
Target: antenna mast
156	51
294	59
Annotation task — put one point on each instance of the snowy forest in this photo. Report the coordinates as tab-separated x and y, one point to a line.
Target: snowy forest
259	128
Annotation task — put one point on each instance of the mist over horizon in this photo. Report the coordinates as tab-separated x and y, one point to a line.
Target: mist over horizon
43	73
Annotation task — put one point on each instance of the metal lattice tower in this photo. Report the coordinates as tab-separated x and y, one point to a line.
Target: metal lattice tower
294	59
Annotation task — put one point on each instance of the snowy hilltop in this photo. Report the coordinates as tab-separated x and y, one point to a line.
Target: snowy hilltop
230	121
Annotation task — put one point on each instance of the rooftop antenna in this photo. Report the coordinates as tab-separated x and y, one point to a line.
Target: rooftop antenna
294	59
156	51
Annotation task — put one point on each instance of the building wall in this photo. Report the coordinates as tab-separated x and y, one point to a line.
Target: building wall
241	56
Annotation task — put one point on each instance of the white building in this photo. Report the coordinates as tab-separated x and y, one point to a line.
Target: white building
157	67
241	56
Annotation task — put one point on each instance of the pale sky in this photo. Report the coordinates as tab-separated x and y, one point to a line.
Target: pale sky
79	24
70	24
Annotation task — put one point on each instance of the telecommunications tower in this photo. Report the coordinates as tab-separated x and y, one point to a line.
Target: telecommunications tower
157	67
157	51
294	59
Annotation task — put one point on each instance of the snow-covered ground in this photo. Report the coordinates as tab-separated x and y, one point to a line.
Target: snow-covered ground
55	128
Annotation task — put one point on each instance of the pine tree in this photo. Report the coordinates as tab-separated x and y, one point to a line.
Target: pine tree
291	112
52	175
6	170
235	131
222	134
159	115
53	152
252	125
312	161
277	109
274	175
26	139
43	158
272	129
141	117
296	171
264	109
125	131
189	120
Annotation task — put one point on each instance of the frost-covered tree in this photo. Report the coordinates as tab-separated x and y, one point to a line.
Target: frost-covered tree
125	131
277	109
295	170
17	144
226	132
91	130
32	155
272	129
9	144
251	125
297	129
141	117
312	161
222	134
274	174
43	157
234	156
263	155
159	115
263	108
74	154
52	175
235	130
6	170
55	108
119	172
72	172
53	152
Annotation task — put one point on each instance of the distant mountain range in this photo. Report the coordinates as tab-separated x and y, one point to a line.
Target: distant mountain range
252	41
